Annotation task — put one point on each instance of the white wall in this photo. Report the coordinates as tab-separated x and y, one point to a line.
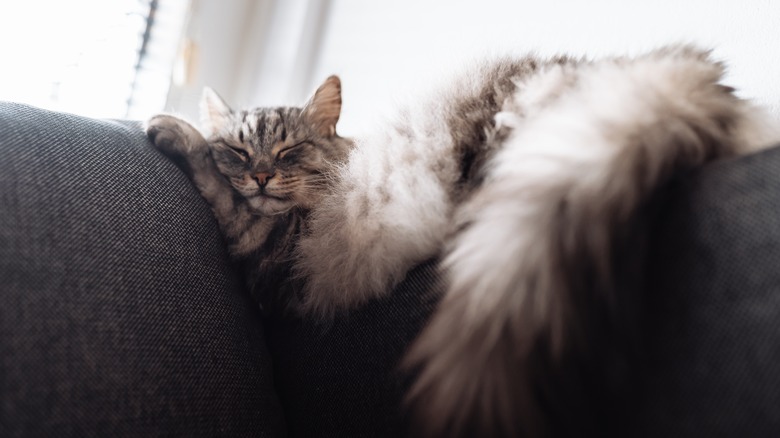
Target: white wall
275	52
216	35
252	52
387	49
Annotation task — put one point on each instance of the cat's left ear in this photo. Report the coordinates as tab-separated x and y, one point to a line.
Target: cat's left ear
214	112
324	108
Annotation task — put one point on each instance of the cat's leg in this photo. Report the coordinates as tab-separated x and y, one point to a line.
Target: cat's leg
186	147
536	252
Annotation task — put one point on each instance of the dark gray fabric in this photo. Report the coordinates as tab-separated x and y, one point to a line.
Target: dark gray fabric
119	314
713	321
343	379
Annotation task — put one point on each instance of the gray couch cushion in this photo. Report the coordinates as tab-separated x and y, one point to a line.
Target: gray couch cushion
712	321
119	314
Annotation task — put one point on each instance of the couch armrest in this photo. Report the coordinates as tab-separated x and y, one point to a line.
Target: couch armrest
119	312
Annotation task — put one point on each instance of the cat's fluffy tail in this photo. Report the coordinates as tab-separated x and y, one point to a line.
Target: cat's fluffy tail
534	258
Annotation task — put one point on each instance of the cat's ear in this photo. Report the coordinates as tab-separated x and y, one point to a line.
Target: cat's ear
324	108
214	112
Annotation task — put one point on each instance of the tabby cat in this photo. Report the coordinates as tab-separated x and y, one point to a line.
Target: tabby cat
527	174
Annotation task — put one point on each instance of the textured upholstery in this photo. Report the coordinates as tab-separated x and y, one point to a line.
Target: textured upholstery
343	379
713	306
119	314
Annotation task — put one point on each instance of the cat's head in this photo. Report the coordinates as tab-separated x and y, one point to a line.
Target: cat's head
277	158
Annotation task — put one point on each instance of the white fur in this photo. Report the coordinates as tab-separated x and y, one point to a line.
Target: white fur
569	168
389	210
392	208
588	144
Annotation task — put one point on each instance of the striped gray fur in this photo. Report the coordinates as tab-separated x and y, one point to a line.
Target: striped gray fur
527	175
261	171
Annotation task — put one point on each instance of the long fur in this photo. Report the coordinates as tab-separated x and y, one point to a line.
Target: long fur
535	256
528	176
574	151
392	203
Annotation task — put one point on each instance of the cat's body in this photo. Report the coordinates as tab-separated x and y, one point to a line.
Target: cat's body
524	174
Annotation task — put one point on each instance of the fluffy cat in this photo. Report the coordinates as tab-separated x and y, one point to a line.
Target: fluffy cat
528	175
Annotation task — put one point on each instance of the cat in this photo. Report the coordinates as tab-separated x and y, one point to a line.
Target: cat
527	175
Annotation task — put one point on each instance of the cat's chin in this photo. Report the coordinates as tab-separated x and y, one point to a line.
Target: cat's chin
269	206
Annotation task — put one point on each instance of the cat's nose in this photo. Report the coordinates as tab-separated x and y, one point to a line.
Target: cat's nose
263	177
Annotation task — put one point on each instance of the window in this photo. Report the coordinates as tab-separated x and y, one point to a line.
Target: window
97	58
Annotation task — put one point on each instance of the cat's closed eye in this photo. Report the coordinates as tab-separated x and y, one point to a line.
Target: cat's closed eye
244	155
285	153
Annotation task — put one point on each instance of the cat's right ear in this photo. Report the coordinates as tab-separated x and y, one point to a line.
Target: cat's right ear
324	108
214	112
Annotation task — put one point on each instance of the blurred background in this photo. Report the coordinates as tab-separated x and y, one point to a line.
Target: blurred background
133	58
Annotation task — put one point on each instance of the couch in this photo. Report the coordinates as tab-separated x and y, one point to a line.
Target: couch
121	315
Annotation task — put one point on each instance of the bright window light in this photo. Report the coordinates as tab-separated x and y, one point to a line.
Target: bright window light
98	58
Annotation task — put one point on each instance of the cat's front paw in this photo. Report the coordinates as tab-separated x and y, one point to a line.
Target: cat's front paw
174	137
